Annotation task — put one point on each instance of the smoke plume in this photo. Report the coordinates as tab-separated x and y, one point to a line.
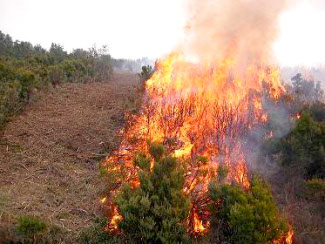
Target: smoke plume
243	30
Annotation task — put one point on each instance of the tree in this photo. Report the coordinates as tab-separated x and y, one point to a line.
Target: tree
155	212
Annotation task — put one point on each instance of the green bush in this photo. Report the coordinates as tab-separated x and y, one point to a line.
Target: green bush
156	150
96	234
155	212
245	216
24	68
30	225
303	148
146	72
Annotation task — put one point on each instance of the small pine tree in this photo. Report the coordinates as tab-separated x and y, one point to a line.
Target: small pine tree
155	212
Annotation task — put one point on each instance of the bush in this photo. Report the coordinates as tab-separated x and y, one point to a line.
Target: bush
303	148
240	216
30	226
24	67
155	212
156	150
97	235
146	72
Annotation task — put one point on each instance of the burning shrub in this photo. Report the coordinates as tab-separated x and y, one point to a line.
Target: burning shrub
241	216
153	213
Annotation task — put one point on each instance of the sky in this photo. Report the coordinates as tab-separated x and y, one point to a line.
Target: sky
152	28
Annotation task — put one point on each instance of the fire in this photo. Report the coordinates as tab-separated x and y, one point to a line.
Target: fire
289	237
103	200
198	225
116	217
203	111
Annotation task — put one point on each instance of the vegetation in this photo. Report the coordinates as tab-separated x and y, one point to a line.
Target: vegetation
155	212
25	68
241	216
303	148
30	226
298	154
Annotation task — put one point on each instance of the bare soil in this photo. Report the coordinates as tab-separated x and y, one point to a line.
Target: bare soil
49	154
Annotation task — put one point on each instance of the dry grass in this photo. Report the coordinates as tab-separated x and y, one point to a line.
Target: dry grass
49	154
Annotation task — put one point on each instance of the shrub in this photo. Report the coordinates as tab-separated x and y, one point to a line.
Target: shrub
303	148
155	212
96	234
146	72
156	150
241	216
30	225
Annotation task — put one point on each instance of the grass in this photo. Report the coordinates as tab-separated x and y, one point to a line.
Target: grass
48	164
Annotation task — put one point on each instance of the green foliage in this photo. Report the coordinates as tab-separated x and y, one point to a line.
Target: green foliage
155	212
156	150
30	225
241	216
142	161
146	72
96	234
24	68
303	148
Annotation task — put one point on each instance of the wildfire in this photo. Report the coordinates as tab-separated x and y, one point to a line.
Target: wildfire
198	111
204	111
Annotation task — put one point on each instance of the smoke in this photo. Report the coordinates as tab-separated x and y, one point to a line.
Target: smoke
243	30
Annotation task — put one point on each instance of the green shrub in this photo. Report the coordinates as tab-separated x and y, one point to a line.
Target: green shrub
303	148
157	150
96	234
240	216
155	212
146	72
30	225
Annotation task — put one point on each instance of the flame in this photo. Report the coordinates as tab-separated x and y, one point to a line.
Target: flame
198	225
115	219
288	238
197	110
103	200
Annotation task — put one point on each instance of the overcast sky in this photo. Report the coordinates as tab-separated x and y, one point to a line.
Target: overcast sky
137	28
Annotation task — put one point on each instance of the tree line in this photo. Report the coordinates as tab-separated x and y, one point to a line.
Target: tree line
25	68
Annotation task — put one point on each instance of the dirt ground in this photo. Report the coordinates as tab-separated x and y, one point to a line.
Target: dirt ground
49	154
